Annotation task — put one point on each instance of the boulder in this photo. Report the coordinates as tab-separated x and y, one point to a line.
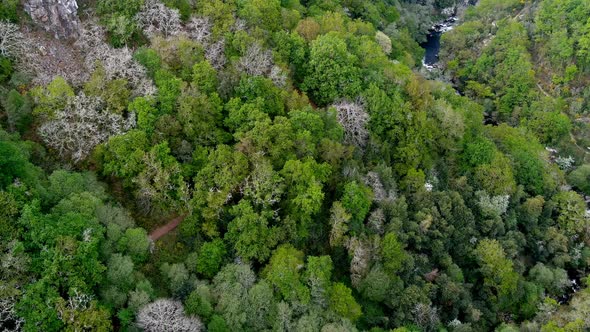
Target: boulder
59	17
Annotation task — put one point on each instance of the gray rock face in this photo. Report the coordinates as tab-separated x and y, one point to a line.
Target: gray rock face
57	16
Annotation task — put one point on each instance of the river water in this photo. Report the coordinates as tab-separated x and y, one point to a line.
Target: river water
432	44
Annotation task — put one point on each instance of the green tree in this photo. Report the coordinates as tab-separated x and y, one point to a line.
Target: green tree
283	273
53	98
357	200
250	232
393	253
204	77
304	182
211	257
497	270
580	178
331	70
343	303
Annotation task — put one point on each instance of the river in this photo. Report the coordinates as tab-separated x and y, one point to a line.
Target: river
430	62
432	44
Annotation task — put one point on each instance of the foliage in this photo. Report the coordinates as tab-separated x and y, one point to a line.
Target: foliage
321	181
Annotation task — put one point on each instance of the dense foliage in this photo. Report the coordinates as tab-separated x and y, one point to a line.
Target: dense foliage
321	182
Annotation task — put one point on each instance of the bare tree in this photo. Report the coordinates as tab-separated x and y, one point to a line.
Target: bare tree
117	62
83	124
373	180
157	19
256	61
91	37
353	118
239	25
9	321
199	29
166	315
376	222
361	251
426	316
278	76
160	187
12	41
215	54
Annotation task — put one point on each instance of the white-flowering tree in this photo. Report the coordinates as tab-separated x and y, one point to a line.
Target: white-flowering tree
166	315
83	124
12	41
492	205
157	19
353	118
199	29
384	41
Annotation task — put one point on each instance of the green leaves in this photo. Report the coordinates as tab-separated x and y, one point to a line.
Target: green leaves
252	236
211	257
392	253
331	70
497	270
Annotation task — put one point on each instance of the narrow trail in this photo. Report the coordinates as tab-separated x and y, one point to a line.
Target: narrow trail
170	226
541	88
586	153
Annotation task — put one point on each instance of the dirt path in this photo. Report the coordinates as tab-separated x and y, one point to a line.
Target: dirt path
171	225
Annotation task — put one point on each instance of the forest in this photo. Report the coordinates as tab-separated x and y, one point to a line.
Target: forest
287	165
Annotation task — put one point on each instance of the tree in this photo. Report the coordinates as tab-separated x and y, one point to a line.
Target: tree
339	219
160	185
120	272
210	257
393	253
250	232
201	117
136	244
569	211
262	14
12	42
199	305
166	315
353	118
18	110
283	273
580	178
331	70
176	277
357	200
304	181
343	303
496	269
82	125
205	77
318	273
54	97
261	307
157	19
217	182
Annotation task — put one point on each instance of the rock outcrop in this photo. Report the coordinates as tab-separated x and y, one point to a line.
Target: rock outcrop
59	17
